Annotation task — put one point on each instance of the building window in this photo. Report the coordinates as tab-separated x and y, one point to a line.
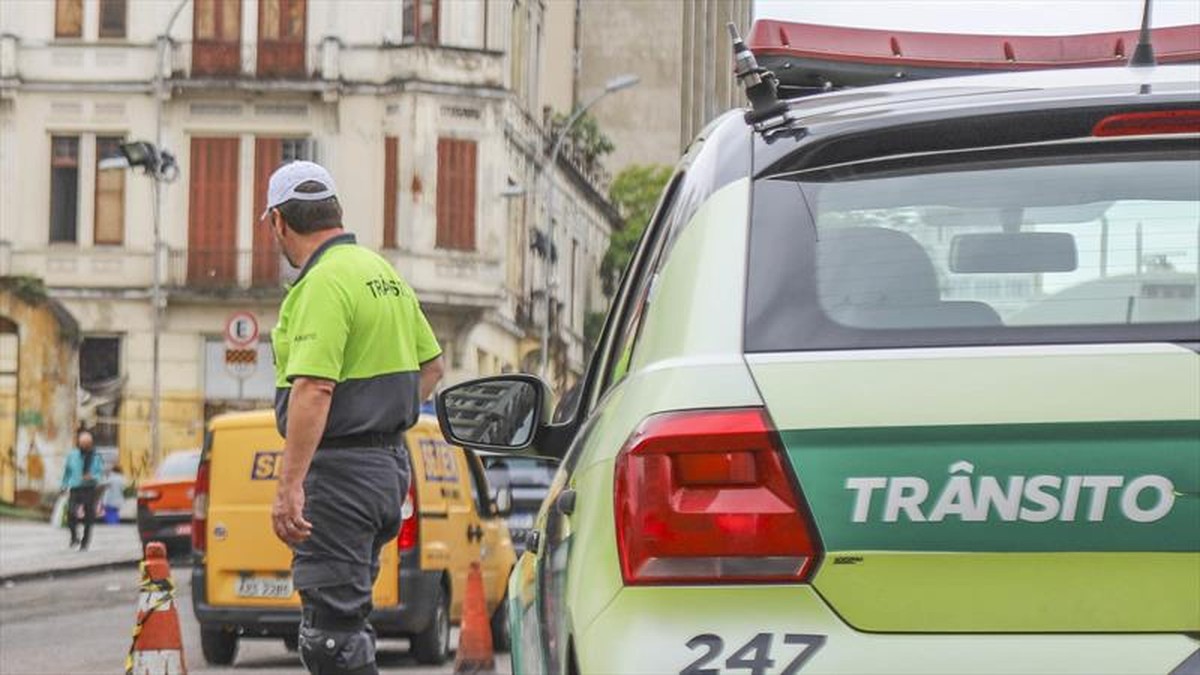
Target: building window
100	379
110	195
68	18
270	154
112	18
64	188
281	31
421	21
456	194
293	149
390	166
216	37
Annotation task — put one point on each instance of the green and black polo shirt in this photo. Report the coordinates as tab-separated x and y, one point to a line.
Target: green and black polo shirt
351	319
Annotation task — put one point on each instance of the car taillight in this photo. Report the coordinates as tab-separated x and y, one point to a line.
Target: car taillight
200	508
1149	123
704	496
409	527
148	495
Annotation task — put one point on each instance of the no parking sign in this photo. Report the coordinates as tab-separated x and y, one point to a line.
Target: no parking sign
241	344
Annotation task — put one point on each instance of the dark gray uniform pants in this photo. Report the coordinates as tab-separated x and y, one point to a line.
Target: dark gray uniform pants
352	497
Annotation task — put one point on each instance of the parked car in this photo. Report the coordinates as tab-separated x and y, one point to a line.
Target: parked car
241	580
861	402
164	503
528	481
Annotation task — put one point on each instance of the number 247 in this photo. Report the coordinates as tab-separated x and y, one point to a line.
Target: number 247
754	656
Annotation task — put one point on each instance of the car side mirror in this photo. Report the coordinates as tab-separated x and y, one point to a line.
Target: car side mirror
502	498
502	413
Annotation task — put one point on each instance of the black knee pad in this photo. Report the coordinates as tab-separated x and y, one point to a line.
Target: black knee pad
330	652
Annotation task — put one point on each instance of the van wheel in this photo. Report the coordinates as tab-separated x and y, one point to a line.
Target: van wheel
432	645
218	644
501	638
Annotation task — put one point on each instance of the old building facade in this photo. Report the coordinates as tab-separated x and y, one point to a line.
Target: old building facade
683	54
427	112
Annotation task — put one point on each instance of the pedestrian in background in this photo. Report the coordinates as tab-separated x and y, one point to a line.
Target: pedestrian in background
81	475
114	495
354	359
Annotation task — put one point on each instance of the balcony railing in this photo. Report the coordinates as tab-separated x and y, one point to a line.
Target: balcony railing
224	269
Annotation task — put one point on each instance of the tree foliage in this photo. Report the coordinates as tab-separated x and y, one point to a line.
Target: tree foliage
585	138
634	192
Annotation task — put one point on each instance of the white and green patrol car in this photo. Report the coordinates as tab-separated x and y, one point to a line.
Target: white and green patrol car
907	383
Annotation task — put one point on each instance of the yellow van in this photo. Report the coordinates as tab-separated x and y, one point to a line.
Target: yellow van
241	581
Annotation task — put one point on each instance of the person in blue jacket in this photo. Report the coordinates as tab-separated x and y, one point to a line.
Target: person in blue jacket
81	475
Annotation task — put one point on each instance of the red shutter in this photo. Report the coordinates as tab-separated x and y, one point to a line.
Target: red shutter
456	194
390	160
268	155
212	212
281	34
216	37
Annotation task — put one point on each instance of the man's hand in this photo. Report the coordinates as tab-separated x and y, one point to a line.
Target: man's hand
287	515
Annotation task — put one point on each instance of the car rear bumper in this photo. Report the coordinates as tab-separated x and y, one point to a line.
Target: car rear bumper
167	528
655	626
418	590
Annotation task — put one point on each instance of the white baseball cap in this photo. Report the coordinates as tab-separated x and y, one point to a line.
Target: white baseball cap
285	180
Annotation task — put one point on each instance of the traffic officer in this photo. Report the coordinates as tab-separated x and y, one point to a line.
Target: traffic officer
354	359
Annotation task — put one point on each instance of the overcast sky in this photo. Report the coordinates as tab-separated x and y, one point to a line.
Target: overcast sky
1027	17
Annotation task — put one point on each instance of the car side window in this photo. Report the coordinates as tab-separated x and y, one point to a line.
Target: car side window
637	288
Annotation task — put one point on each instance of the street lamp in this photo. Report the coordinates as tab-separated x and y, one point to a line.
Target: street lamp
159	165
614	85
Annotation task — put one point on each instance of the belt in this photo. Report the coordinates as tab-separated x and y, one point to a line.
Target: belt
364	440
326	621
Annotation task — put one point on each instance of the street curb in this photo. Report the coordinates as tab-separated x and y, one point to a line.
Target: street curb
39	575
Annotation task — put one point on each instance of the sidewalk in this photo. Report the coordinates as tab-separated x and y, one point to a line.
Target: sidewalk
31	549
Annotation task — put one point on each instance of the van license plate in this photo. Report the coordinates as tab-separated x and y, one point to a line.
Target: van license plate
264	587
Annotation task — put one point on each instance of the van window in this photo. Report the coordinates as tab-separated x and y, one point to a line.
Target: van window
1013	248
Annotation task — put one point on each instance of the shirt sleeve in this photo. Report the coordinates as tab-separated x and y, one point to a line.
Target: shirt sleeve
427	344
319	326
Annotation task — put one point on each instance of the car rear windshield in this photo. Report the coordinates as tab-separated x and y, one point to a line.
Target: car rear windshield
179	465
1081	243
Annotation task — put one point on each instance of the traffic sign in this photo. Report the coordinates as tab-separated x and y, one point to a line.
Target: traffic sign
241	330
241	363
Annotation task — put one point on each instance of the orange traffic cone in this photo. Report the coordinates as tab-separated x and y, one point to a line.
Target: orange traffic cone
475	636
157	648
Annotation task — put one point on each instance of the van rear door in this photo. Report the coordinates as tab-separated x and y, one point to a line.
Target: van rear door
247	565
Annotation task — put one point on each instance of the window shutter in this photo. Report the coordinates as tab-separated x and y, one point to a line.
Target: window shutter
390	167
456	194
212	212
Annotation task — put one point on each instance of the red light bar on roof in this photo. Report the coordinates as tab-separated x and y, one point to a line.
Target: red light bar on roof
1149	123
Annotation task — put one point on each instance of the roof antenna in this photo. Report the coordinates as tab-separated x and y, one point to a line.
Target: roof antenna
1143	54
760	84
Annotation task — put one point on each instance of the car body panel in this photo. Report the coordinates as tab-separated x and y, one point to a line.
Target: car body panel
164	509
647	630
1020	380
1046	548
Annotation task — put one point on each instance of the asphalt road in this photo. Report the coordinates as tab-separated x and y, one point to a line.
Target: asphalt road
82	624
